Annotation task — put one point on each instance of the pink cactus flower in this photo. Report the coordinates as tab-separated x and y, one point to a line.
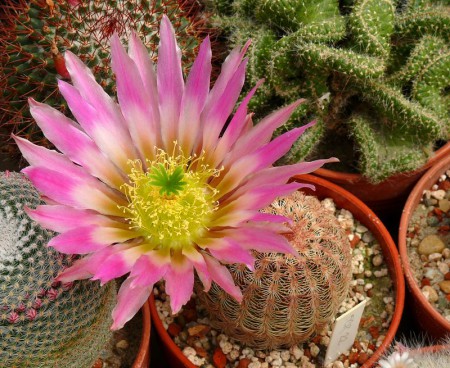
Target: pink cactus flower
154	186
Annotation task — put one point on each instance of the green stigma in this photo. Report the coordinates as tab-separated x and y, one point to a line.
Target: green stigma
170	202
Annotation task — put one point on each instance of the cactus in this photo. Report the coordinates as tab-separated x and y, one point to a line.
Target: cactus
384	64
44	323
35	34
288	299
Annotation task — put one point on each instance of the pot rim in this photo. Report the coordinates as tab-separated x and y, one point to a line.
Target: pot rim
427	180
375	225
340	176
142	359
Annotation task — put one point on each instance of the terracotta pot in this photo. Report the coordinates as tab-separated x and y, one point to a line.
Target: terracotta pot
388	195
428	318
143	355
361	212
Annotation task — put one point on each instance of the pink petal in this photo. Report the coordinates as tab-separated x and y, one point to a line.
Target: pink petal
215	117
259	159
229	251
139	54
263	131
222	277
134	100
261	239
194	96
261	196
150	268
73	142
62	218
118	264
97	113
129	301
75	190
170	82
85	267
229	67
235	127
196	257
179	282
89	239
281	174
268	217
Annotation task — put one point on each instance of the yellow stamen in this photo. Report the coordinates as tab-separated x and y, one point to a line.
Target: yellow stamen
171	203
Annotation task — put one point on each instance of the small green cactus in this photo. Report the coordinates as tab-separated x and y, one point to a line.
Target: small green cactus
376	74
35	34
287	300
44	323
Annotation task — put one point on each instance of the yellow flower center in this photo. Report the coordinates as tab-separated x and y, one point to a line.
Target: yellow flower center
170	203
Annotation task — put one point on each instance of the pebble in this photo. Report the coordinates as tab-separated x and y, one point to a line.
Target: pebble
444	205
430	294
446	253
434	257
438	194
377	260
445	286
443	267
122	344
431	244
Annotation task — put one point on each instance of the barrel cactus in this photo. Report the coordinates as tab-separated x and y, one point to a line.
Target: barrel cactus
35	34
376	74
288	299
44	323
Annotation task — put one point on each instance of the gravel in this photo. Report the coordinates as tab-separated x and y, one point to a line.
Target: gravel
428	245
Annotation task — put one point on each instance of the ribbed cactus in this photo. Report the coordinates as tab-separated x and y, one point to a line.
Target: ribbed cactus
44	323
288	299
376	73
35	34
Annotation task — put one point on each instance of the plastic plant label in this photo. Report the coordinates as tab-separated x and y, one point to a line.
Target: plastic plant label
344	332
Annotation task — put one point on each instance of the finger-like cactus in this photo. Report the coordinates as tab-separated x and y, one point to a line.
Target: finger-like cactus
384	59
288	299
44	323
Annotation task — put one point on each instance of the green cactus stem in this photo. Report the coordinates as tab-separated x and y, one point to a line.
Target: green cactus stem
387	59
43	323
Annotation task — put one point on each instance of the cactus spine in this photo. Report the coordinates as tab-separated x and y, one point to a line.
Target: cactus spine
35	34
44	323
383	64
288	299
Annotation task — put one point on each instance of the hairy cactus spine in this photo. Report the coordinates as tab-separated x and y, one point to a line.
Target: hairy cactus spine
288	299
44	323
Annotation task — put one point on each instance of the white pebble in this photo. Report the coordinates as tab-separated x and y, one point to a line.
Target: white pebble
361	229
367	237
377	260
368	286
277	362
254	365
314	349
296	352
443	267
285	355
438	194
434	257
189	351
